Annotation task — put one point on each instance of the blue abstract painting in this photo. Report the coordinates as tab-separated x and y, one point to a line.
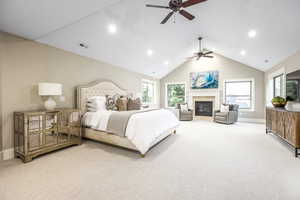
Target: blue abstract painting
204	80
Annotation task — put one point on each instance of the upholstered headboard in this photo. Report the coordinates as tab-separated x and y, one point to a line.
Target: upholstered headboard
96	88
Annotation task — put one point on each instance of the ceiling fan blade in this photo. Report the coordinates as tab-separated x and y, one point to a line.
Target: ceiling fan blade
210	52
167	17
186	14
156	6
191	2
192	57
208	56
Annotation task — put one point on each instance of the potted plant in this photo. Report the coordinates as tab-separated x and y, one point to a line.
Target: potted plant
279	102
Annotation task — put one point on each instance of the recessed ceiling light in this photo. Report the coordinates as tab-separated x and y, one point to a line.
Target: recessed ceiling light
252	34
149	52
112	28
166	62
243	52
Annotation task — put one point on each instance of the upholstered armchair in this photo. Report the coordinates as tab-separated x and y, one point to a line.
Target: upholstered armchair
185	115
229	117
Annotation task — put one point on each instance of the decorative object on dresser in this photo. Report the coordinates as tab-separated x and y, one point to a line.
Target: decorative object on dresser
40	132
285	125
227	115
279	102
50	89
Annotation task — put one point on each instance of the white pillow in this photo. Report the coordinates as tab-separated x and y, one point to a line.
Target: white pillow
184	108
224	108
96	104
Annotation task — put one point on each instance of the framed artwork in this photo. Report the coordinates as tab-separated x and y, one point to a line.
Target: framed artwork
204	80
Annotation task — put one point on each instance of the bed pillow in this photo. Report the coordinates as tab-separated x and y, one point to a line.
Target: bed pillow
122	103
134	104
95	104
184	108
111	102
224	108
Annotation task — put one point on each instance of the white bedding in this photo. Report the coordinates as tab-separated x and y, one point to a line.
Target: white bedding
142	129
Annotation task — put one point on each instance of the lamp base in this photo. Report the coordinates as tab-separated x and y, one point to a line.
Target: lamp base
50	104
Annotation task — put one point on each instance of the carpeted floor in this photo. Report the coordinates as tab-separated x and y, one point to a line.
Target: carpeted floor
204	161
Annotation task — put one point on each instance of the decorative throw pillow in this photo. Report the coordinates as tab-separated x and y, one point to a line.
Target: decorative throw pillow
184	107
224	108
134	104
111	102
122	103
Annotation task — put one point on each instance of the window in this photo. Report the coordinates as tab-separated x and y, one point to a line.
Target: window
278	86
240	92
175	94
148	92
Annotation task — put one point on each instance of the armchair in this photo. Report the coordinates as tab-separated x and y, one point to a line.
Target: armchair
229	117
185	115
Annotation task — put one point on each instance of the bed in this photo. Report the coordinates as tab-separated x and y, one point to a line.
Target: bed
139	135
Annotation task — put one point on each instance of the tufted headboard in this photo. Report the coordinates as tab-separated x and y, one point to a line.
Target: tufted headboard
96	88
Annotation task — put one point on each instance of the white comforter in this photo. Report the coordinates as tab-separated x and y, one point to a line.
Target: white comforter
142	129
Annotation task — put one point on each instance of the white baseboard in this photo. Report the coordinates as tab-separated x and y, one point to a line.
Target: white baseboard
252	120
7	154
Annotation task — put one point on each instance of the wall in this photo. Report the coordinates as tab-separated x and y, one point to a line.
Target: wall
1	60
288	65
26	63
228	69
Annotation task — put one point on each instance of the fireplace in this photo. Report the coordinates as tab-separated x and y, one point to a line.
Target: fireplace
204	108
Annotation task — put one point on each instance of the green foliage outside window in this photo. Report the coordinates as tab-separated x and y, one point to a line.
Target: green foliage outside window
147	92
175	94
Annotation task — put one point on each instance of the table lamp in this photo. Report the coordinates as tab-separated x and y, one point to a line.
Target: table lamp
50	89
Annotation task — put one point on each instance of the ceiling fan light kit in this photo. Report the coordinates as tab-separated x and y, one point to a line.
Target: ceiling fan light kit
202	52
177	6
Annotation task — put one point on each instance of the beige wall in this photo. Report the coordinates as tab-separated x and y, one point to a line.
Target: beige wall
26	63
288	65
228	69
1	60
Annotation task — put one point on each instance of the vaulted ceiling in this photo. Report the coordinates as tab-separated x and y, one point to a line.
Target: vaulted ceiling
223	24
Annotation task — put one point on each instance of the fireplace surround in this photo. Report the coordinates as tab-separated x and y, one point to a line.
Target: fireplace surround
204	108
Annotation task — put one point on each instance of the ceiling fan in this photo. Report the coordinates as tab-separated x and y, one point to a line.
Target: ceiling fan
201	53
175	6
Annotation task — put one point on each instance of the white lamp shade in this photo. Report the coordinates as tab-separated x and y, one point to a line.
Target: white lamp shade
50	89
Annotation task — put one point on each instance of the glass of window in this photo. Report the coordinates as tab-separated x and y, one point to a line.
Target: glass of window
240	93
175	94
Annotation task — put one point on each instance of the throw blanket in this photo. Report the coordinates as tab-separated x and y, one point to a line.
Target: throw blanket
118	121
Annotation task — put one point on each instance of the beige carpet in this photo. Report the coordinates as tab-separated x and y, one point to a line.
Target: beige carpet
204	161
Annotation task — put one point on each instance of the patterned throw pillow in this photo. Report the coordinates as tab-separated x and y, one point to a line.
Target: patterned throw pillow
111	102
122	103
134	104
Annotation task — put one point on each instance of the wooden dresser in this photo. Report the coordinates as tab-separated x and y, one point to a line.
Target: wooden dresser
285	124
39	132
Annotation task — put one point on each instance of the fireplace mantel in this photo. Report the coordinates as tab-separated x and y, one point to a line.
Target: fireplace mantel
205	93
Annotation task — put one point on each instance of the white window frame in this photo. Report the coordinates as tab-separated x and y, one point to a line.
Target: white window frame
154	91
252	109
282	85
166	92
